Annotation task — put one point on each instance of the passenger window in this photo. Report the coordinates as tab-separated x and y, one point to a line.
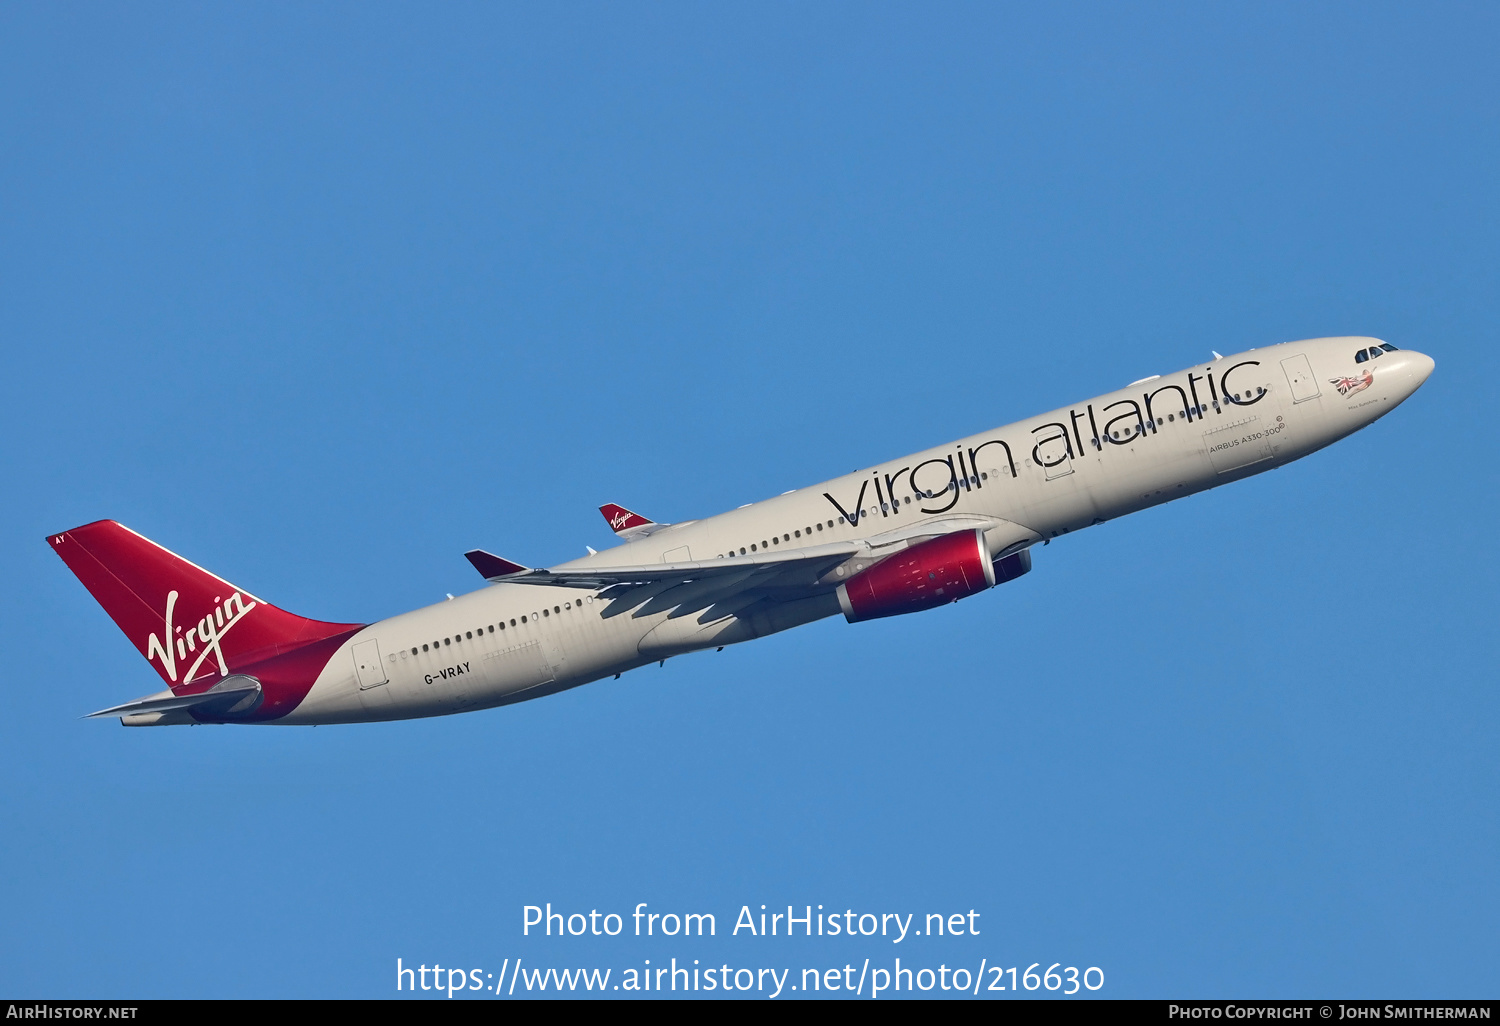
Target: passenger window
567	605
752	547
798	532
786	537
492	628
820	527
447	641
502	624
742	550
557	609
523	620
470	635
1361	356
545	613
414	651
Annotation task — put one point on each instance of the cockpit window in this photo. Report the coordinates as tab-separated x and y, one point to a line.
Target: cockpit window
1361	356
1388	347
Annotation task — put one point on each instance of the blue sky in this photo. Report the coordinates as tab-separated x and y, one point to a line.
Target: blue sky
321	296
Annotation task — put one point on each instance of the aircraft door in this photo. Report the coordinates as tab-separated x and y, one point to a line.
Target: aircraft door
1299	376
367	664
1055	454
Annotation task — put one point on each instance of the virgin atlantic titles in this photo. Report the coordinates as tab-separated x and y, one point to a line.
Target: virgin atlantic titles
910	534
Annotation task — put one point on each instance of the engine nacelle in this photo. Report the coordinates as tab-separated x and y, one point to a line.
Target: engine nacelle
932	573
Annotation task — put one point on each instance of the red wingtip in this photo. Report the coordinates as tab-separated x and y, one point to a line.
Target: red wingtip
490	565
621	519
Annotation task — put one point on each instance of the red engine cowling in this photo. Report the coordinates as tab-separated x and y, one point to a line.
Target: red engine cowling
932	573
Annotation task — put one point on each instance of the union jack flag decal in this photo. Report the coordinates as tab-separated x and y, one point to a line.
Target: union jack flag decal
1348	386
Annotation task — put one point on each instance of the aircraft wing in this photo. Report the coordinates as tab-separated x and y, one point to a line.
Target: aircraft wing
724	587
719	587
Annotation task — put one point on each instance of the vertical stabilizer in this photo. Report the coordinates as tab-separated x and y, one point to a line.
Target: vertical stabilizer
187	623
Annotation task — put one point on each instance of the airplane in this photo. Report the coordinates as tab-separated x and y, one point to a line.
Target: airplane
903	536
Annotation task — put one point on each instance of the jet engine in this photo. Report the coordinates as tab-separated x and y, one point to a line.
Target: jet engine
931	573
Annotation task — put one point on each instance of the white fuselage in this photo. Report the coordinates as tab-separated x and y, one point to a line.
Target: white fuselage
1034	480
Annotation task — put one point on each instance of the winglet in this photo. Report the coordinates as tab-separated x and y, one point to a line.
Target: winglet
491	566
621	520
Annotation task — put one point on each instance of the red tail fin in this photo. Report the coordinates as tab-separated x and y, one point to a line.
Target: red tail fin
188	624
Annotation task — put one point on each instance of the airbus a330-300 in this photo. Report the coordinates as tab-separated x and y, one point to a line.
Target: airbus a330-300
906	535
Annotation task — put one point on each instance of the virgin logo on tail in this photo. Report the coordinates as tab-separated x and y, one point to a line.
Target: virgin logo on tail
619	520
207	632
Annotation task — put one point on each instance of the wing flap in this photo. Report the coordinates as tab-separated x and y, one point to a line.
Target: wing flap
594	578
693	595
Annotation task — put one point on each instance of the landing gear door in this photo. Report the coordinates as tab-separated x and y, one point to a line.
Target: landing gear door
1299	375
367	664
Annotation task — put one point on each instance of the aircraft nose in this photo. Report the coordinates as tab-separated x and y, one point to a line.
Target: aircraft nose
1418	367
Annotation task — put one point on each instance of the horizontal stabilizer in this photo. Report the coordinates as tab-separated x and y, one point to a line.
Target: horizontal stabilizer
491	566
233	694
